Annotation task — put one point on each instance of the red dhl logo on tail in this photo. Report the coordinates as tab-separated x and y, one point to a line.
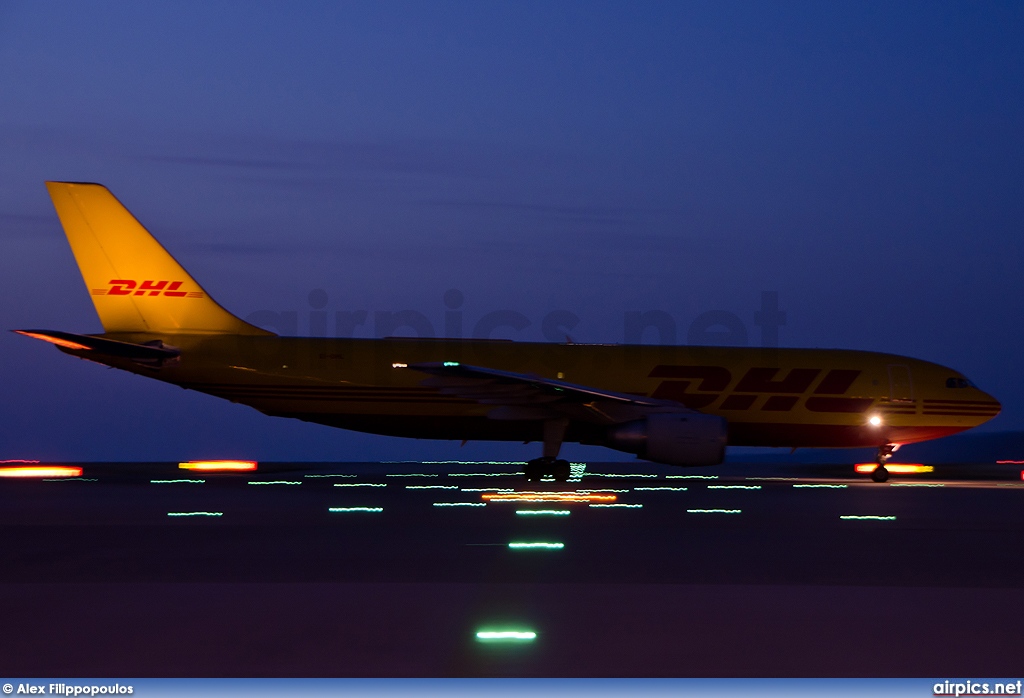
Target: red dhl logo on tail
128	287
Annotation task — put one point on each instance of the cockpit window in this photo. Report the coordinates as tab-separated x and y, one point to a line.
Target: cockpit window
958	383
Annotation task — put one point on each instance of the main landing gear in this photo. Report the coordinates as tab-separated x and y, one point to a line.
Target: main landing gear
550	464
554	467
881	473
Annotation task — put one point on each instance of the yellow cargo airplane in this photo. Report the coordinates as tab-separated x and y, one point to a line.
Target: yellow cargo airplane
669	404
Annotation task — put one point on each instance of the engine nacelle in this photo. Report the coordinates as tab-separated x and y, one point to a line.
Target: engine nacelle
675	438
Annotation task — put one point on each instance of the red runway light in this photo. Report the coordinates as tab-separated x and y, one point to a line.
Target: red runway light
1014	462
30	471
219	466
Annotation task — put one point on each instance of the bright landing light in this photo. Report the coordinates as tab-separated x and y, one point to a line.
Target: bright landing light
875	421
40	471
219	466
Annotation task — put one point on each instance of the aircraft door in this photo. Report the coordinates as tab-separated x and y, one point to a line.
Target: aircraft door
901	388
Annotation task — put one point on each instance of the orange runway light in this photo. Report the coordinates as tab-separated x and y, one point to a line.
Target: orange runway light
898	468
66	343
40	471
547	497
219	466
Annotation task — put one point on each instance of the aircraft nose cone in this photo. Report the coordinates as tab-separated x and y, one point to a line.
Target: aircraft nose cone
994	409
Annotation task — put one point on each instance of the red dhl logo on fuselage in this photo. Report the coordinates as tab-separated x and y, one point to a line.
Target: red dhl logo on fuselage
784	393
129	287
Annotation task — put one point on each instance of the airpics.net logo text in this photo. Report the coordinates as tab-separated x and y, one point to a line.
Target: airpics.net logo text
977	688
712	327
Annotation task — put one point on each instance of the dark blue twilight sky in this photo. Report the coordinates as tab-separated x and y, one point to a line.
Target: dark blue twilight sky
864	160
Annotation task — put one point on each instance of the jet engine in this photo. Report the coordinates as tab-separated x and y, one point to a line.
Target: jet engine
675	438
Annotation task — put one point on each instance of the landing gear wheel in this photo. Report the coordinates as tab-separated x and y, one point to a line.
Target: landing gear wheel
880	474
561	470
534	471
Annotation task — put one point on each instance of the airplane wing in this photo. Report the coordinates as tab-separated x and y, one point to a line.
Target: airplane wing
528	396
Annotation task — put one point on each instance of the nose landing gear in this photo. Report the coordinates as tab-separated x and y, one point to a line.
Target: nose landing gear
881	473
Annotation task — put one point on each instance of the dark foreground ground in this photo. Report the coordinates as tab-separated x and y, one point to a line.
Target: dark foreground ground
97	580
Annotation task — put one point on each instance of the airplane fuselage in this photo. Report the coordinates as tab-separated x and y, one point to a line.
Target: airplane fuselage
769	397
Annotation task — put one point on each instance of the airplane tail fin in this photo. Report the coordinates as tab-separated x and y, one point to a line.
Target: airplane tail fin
135	284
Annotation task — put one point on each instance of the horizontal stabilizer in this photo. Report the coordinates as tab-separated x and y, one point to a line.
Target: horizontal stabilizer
108	347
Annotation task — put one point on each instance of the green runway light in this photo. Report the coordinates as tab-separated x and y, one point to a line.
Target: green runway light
823	486
195	513
172	482
411	475
713	511
345	510
483	474
595	491
329	475
360	484
660	489
275	482
460	504
868	518
464	462
734	487
691	477
431	487
777	479
617	506
506	636
619	475
542	512
451	363
536	546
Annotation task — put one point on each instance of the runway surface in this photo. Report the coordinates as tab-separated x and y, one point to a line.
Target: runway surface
391	569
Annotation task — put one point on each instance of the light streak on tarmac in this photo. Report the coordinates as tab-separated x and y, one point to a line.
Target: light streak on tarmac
867	518
195	513
714	511
506	636
219	466
346	510
176	482
40	471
